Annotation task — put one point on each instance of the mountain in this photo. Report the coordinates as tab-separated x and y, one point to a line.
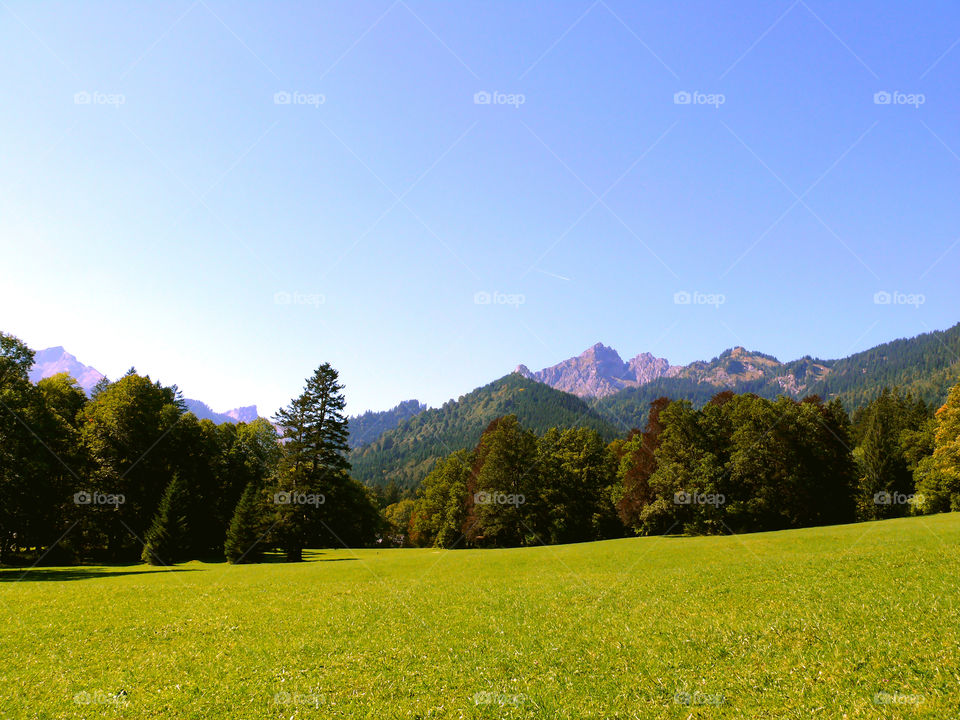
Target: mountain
54	360
245	414
739	366
370	425
927	366
409	451
237	415
599	371
737	369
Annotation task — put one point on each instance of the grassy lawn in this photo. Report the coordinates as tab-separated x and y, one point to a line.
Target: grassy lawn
856	621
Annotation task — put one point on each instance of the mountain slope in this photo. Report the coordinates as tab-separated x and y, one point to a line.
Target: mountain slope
927	365
55	360
408	452
370	425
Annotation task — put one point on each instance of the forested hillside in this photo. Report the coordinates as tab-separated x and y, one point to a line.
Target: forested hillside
926	365
408	452
370	425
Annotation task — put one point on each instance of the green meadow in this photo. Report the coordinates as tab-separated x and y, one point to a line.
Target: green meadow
853	621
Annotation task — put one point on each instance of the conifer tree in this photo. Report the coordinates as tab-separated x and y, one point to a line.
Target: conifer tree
314	461
168	539
244	536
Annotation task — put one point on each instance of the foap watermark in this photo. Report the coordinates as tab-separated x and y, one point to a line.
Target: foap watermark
313	700
96	97
697	698
295	97
683	97
96	498
487	697
482	297
684	297
896	498
883	297
694	498
292	497
100	697
298	298
896	698
498	498
482	97
895	97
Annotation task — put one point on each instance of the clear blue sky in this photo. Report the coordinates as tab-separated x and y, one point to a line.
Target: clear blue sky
165	222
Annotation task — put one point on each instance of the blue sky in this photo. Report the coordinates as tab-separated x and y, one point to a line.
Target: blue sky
226	195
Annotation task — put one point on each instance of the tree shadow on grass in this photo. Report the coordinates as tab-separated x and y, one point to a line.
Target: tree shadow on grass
312	556
78	573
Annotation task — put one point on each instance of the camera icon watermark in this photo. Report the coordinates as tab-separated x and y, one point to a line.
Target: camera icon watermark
98	499
482	297
292	497
85	97
482	97
684	97
883	297
697	698
296	298
687	498
896	498
895	97
896	698
314	700
498	498
486	697
99	697
684	297
295	97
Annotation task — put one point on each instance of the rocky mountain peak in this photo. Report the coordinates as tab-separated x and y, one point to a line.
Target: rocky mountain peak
599	371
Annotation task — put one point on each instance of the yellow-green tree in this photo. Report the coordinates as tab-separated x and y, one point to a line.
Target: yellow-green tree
938	476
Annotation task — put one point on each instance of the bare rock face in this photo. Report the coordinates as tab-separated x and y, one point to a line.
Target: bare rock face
524	371
645	368
244	414
55	360
599	371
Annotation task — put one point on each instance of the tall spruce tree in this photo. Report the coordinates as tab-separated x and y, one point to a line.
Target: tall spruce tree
245	534
314	462
168	539
885	476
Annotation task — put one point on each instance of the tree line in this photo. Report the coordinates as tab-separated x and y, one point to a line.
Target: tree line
127	474
741	463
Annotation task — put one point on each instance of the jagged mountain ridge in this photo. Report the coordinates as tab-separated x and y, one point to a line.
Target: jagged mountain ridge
599	372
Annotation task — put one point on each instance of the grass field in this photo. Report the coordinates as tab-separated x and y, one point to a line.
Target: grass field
856	621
